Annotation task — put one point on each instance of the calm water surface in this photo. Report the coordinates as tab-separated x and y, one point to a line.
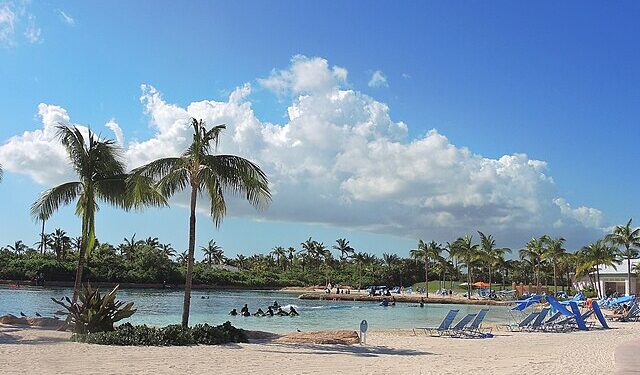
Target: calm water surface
161	307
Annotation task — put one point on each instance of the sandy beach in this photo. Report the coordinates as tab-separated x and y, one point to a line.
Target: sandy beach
38	351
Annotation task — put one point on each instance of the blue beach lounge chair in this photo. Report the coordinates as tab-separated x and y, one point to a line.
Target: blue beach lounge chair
462	323
443	327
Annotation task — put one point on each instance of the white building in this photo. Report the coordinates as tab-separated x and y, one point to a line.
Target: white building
615	279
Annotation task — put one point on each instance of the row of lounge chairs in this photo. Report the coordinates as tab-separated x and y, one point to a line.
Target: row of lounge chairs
631	315
558	322
469	326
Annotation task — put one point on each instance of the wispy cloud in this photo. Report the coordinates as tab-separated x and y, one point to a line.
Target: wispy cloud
66	18
33	33
378	79
8	19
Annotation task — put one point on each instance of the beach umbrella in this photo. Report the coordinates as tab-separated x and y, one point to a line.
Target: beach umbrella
480	284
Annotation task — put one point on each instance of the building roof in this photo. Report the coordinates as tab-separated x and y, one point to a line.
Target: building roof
620	269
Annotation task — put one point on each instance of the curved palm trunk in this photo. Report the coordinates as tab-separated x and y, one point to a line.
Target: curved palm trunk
85	241
192	245
598	281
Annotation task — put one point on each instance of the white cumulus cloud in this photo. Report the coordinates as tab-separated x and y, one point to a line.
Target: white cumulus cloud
340	159
8	19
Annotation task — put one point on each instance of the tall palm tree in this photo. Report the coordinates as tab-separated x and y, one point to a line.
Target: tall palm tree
342	245
554	252
101	177
391	262
599	254
426	252
200	170
213	253
629	239
309	249
534	252
465	249
491	254
360	258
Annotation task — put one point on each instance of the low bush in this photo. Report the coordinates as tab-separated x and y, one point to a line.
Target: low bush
172	335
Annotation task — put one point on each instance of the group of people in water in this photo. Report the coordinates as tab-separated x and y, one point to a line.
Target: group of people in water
274	309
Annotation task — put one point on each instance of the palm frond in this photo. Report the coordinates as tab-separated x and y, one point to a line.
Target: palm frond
73	141
142	191
112	190
52	199
174	181
237	176
157	169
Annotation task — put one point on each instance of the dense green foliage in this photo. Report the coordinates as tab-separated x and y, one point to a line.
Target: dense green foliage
542	261
172	335
94	312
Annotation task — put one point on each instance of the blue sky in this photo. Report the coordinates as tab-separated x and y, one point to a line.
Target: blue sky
558	82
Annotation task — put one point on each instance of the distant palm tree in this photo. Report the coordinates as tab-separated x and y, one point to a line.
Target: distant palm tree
598	254
200	170
554	252
18	247
360	258
534	252
426	252
183	257
45	240
280	253
465	249
291	255
60	243
101	174
168	250
241	261
492	255
213	253
152	242
342	245
129	246
629	239
391	262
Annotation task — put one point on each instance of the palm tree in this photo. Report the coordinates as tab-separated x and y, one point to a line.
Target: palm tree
182	258
342	245
213	252
168	250
465	249
629	238
101	174
598	254
60	243
391	262
18	247
129	246
45	240
309	249
492	255
554	252
426	252
152	242
291	255
200	170
534	252
241	261
280	253
360	259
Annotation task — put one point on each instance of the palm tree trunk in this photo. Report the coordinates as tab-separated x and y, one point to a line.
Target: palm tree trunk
629	272
426	275
42	243
468	279
81	254
555	281
598	280
489	279
192	245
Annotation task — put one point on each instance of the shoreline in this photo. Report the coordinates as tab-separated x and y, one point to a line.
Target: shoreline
402	298
598	351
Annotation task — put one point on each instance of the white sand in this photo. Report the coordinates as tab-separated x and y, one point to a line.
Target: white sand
36	351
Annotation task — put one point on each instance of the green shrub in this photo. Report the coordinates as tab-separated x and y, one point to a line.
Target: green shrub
172	335
95	312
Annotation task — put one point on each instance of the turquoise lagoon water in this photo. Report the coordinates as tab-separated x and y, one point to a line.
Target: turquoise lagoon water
161	307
